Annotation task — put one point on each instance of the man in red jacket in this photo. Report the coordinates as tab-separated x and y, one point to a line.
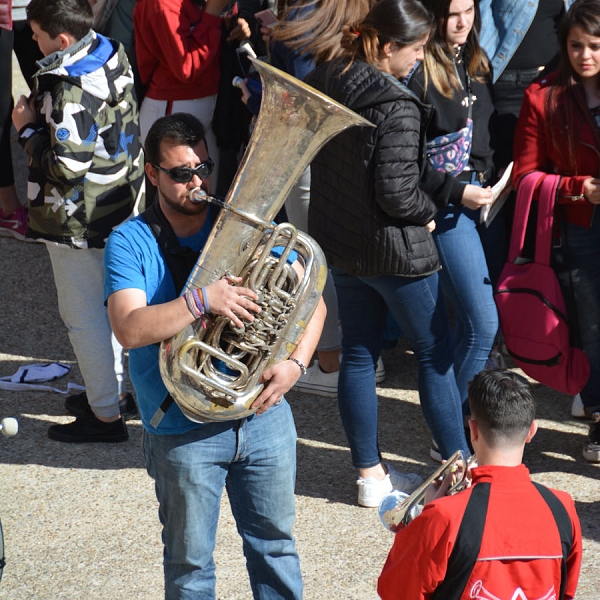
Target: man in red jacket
518	553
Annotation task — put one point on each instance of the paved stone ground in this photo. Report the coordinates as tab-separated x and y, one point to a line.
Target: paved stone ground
80	521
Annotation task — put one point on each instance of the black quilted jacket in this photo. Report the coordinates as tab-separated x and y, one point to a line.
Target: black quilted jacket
366	208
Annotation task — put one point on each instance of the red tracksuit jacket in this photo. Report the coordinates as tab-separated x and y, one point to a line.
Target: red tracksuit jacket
520	556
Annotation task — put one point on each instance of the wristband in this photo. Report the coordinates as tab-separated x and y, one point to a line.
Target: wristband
194	304
206	304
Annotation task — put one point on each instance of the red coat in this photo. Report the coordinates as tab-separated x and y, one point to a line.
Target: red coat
532	150
178	47
6	14
520	549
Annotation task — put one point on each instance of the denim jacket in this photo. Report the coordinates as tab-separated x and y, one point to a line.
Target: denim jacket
504	24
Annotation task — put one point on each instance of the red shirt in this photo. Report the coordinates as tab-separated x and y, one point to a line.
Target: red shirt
520	556
178	48
534	152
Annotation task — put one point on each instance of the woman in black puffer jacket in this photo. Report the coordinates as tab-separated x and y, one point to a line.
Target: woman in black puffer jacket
374	224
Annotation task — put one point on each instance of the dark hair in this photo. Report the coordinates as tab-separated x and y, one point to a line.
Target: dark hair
439	55
563	97
403	22
74	17
181	129
502	405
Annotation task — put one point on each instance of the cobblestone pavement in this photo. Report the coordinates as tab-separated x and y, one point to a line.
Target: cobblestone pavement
80	521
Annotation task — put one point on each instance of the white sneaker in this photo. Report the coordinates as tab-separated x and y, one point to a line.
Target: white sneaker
371	490
577	409
318	382
380	372
403	482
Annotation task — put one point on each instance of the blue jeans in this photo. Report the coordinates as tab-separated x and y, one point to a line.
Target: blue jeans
577	262
466	282
255	459
418	307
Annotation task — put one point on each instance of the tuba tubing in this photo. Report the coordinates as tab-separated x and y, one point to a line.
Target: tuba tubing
213	370
397	510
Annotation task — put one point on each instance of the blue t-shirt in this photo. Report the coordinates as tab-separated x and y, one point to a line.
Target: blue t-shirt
132	259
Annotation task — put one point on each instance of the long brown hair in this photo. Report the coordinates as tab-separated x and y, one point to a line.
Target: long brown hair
438	66
402	22
566	98
320	32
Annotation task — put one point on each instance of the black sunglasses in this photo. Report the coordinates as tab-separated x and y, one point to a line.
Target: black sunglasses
185	174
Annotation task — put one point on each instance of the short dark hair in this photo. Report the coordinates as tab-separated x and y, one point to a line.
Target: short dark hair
502	405
181	129
74	17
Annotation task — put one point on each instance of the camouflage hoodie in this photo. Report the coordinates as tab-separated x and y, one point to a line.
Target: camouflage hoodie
86	164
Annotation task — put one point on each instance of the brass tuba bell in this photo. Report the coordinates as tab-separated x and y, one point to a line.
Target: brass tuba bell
213	373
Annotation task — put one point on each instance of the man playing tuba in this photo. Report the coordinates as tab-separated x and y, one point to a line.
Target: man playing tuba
191	463
503	538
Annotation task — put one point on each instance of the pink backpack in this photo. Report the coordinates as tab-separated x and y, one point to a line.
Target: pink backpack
531	307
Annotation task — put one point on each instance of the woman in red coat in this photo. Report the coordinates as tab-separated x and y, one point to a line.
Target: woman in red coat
559	132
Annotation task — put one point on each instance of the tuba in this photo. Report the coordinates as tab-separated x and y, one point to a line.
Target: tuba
212	370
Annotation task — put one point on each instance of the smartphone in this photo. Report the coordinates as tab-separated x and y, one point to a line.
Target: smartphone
267	18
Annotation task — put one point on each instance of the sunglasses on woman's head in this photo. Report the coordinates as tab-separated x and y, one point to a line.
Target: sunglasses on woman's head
186	174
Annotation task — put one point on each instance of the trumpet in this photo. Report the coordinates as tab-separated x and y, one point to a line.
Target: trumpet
397	509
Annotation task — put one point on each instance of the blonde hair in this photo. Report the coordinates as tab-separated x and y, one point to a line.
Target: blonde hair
320	32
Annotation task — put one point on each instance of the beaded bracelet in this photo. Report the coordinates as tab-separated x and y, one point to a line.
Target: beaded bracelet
192	306
302	367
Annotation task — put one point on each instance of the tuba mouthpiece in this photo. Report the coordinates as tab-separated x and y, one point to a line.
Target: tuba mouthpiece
198	195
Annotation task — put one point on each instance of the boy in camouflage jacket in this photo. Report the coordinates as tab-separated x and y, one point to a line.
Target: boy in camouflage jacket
80	130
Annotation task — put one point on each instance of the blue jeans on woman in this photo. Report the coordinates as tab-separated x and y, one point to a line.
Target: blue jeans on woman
255	459
466	283
418	307
577	264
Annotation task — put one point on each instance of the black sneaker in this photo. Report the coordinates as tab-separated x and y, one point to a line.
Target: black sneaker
87	428
78	405
591	449
434	450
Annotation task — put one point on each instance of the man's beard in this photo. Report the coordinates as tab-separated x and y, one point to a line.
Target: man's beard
185	208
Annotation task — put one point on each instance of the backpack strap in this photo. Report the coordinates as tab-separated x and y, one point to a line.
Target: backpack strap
466	547
180	259
565	529
547	200
525	191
